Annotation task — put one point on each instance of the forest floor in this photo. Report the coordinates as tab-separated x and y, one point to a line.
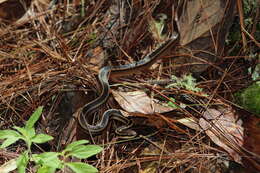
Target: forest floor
181	95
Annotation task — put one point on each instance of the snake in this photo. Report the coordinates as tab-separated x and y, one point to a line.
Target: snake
103	76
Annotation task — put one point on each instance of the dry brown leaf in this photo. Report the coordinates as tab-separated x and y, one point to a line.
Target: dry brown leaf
8	166
1	1
139	102
224	129
190	122
96	58
12	10
200	17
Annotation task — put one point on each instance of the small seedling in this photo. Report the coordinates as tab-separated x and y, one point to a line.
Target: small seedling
47	162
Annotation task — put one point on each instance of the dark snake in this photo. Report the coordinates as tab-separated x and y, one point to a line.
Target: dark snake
103	78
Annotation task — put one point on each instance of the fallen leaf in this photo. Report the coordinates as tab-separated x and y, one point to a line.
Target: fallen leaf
199	18
8	166
251	123
96	59
203	27
190	122
224	129
12	10
1	1
139	102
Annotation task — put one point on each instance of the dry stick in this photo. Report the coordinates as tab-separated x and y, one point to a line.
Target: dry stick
171	123
216	89
251	37
242	24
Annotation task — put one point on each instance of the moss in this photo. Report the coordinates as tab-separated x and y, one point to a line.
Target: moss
250	98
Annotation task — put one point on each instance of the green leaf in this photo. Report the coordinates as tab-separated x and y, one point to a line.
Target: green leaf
7	133
46	169
156	26
21	130
9	141
74	144
31	133
49	159
171	104
27	133
79	167
35	116
11	137
41	138
186	81
85	151
22	162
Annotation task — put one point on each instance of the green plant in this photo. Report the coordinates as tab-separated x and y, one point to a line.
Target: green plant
156	27
186	82
48	162
173	105
249	98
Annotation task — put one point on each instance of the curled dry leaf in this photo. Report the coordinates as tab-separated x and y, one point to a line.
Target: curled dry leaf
224	129
139	102
199	18
203	27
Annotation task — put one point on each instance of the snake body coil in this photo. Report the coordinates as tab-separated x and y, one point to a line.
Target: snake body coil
115	114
